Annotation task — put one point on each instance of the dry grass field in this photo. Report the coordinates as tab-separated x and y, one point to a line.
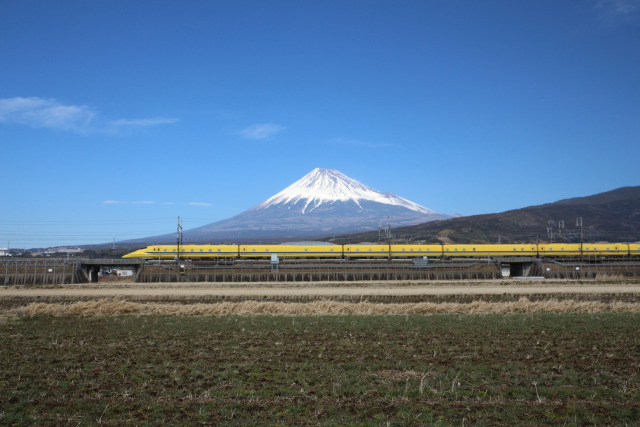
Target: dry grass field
111	307
487	353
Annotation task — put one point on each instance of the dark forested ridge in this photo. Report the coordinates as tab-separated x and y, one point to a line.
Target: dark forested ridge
610	216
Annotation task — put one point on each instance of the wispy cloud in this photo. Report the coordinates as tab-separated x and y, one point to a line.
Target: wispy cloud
52	114
151	202
135	202
45	113
261	131
612	11
360	143
140	123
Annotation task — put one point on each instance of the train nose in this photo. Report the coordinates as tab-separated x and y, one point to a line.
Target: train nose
134	254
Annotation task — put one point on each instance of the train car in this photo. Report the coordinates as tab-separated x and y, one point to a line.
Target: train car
559	249
387	251
472	250
291	251
365	251
407	251
634	249
605	249
186	251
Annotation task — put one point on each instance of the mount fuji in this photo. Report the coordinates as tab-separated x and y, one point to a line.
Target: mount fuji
321	204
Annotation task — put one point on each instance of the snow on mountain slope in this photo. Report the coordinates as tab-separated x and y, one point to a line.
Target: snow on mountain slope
329	185
322	203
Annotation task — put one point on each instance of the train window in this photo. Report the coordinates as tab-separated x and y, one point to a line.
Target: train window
411	250
456	249
474	249
165	250
218	250
266	250
464	249
306	250
331	250
253	250
370	249
403	249
192	250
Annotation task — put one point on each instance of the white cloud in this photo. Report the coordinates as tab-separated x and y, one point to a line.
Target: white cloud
137	202
612	11
360	143
46	113
142	122
261	131
152	202
52	114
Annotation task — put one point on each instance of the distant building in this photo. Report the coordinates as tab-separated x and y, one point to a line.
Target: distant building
4	252
63	250
122	272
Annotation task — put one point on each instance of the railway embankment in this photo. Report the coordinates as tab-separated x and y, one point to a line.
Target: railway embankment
59	271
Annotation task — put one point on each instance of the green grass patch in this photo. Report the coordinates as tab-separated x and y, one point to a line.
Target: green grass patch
445	369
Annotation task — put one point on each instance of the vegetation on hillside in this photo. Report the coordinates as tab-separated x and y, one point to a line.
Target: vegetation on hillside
613	216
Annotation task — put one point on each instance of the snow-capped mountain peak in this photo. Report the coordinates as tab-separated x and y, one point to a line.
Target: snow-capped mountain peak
322	203
322	186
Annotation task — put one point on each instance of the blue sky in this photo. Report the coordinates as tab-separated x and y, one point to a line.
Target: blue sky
116	117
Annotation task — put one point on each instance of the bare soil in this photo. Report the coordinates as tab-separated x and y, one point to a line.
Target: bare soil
324	289
521	369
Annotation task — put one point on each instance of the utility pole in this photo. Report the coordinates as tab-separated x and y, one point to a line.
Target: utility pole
384	232
579	224
179	238
560	228
384	235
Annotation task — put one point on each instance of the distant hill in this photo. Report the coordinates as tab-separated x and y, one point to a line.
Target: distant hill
612	216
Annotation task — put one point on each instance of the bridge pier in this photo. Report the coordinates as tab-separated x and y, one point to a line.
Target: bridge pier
510	267
91	267
93	272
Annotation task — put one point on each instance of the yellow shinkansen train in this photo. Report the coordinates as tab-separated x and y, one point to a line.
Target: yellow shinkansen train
387	251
